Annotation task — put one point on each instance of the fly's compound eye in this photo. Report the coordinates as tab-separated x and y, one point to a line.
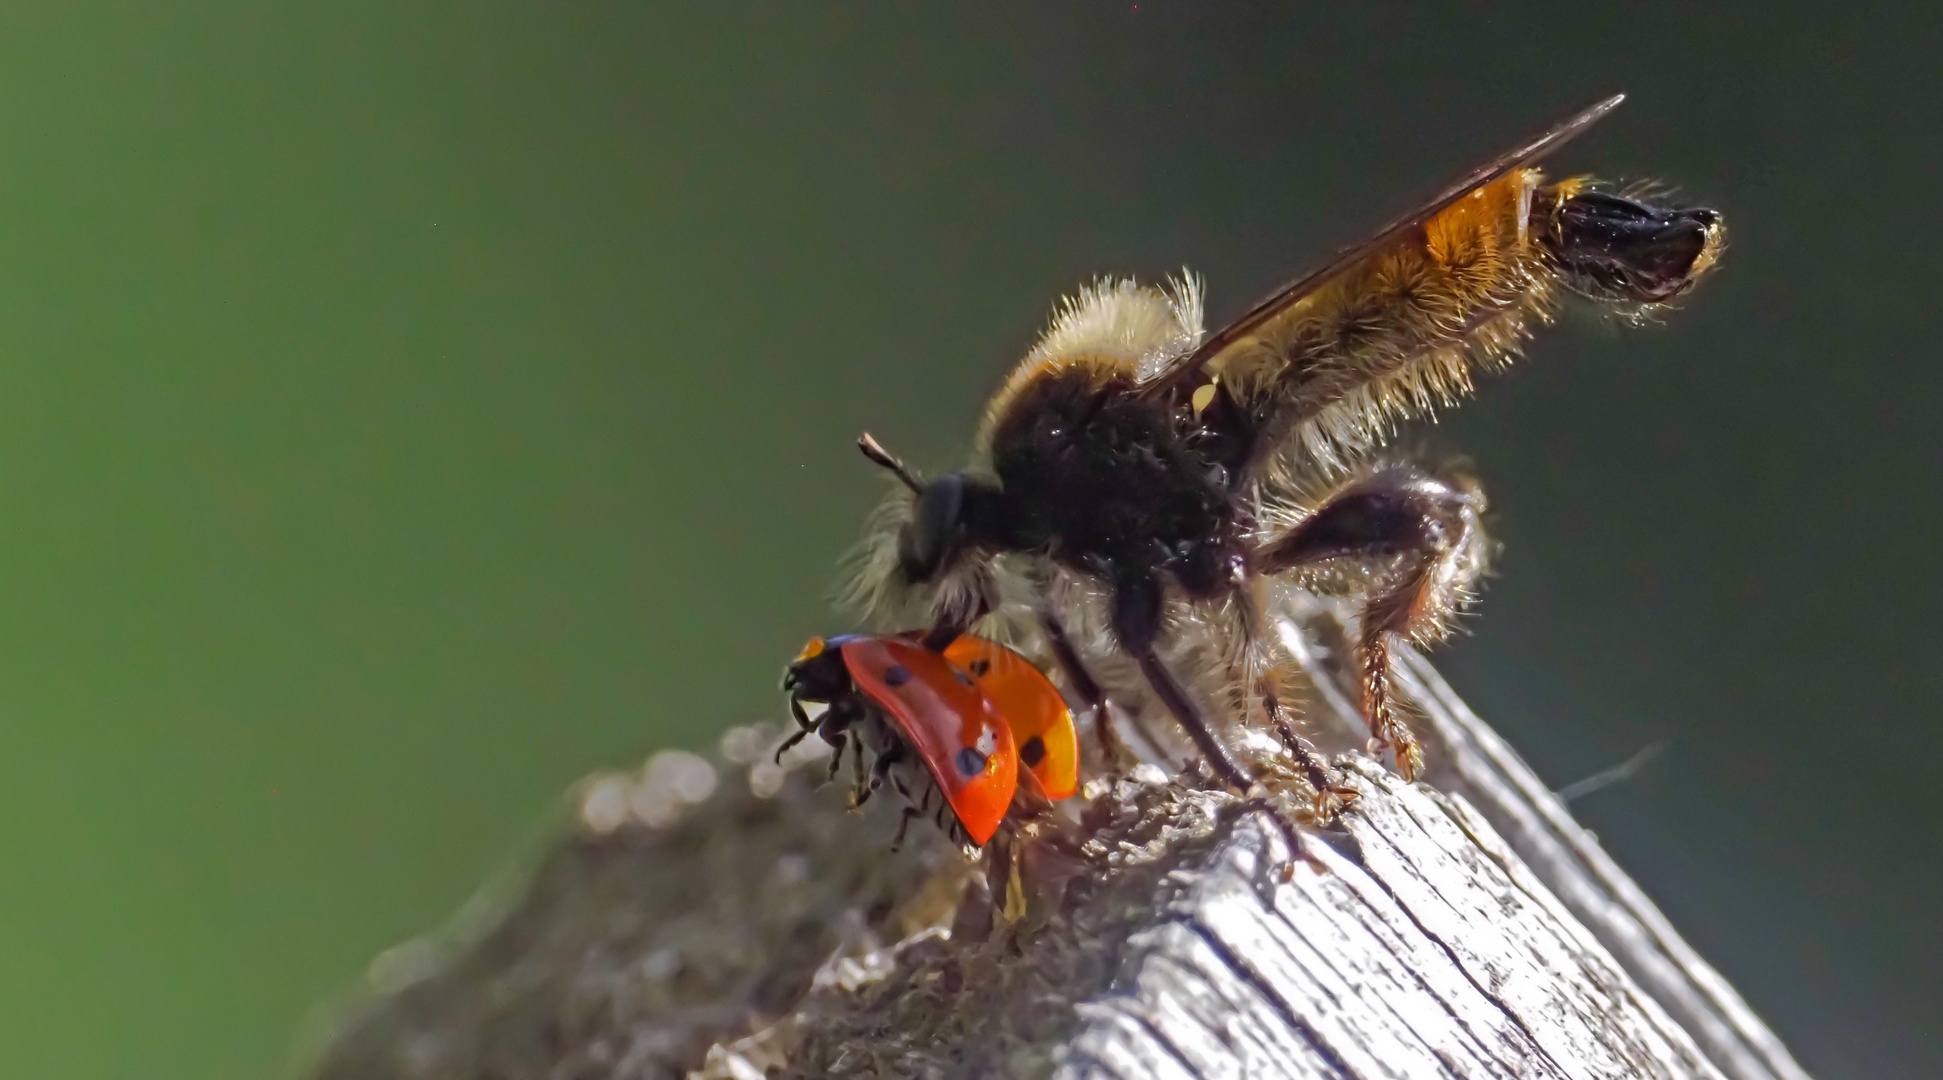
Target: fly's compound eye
934	535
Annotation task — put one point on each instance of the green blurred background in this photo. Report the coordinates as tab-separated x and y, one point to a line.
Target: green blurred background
406	408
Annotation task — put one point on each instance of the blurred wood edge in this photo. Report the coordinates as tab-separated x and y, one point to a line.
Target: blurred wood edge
729	919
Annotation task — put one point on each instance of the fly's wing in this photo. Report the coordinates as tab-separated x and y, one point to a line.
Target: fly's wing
1041	723
954	729
1194	369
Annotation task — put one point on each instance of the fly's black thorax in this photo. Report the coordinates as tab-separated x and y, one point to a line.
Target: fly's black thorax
1106	480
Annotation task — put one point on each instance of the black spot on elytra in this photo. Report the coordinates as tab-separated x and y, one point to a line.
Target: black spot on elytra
980	667
970	761
896	675
1032	751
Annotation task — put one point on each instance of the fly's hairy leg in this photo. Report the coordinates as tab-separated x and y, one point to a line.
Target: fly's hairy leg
1416	542
1137	606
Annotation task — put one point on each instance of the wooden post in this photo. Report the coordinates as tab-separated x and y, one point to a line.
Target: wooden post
732	919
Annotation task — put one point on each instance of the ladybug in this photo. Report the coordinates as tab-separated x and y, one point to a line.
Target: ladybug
976	715
1041	722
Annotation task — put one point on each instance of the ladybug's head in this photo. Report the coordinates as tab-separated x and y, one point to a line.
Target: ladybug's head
817	673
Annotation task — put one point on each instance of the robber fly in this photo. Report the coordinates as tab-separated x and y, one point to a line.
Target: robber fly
1170	473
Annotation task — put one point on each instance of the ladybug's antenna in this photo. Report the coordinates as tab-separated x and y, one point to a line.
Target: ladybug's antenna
875	451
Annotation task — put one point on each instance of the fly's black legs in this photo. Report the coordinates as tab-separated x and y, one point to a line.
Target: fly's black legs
1331	794
1136	622
1425	530
1083	683
950	627
1174	696
940	637
1068	657
1307	757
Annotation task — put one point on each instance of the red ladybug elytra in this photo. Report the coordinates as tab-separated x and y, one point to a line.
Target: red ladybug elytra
1041	722
965	714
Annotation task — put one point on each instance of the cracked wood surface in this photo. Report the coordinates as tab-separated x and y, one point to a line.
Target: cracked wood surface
729	919
1415	944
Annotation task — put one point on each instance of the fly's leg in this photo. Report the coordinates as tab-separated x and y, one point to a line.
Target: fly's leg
950	627
940	637
1331	794
1086	686
1136	623
1423	531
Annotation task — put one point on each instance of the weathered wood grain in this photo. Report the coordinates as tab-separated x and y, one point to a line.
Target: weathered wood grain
1413	946
737	920
1469	759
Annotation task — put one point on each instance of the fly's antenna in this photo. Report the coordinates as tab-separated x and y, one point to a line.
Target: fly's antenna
875	451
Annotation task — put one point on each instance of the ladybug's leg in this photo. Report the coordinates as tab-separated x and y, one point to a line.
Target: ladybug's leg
903	824
1085	685
1423	530
885	760
860	786
1136	623
836	756
804	725
915	806
790	743
833	727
